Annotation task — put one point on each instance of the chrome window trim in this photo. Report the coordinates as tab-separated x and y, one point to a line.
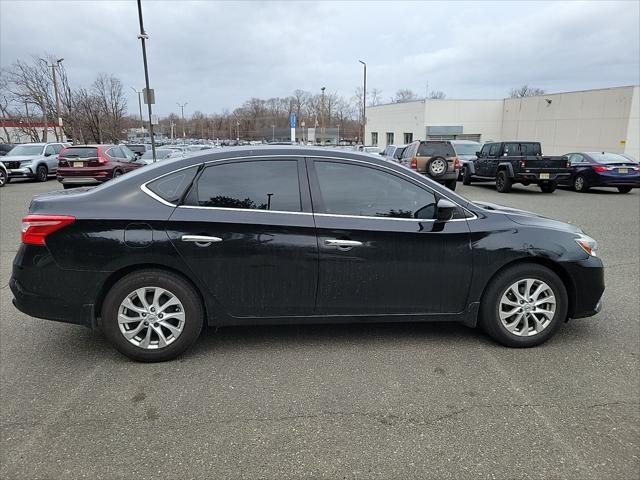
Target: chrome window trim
146	190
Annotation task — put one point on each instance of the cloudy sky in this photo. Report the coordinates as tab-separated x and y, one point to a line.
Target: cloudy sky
215	55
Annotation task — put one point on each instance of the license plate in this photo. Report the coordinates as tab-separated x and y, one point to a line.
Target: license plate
78	164
623	170
544	176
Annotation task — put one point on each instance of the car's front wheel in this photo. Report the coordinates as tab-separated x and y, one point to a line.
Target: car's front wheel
42	173
548	187
523	306
466	176
3	178
152	315
624	189
580	184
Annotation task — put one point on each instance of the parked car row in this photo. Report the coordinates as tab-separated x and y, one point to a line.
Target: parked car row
509	163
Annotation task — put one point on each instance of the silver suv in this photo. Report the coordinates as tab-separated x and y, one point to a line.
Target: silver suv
33	160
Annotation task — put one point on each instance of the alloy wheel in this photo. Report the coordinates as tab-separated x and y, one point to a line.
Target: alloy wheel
151	317
578	184
438	167
527	307
3	178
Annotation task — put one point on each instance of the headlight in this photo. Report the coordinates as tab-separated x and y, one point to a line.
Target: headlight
587	244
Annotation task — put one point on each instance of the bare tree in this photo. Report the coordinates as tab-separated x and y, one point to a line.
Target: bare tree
437	95
374	97
525	91
404	95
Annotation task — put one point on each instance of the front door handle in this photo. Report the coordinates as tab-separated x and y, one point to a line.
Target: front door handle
200	240
332	242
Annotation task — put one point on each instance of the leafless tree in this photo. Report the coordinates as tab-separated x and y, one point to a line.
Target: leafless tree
437	95
525	91
374	97
404	95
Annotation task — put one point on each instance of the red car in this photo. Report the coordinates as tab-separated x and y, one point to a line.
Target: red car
94	164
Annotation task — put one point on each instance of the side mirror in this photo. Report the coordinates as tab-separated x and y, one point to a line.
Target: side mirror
445	210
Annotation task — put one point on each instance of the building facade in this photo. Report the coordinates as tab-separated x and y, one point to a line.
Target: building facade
592	120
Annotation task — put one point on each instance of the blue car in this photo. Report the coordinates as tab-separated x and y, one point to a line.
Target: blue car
602	169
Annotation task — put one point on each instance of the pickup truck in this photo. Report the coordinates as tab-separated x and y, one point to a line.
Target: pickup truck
516	162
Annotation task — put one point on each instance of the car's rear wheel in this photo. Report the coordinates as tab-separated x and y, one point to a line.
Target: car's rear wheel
466	176
152	315
42	173
503	182
437	167
523	306
580	184
624	189
548	187
451	184
117	173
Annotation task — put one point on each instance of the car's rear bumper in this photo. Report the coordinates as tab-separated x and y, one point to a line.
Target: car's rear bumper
536	177
632	181
84	175
80	180
44	290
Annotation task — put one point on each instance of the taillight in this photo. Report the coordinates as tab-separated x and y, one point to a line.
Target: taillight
102	160
414	163
599	168
35	228
456	163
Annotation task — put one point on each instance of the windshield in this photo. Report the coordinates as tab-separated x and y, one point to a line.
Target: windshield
466	148
604	157
25	150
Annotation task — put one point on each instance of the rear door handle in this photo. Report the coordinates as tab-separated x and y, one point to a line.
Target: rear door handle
200	240
332	242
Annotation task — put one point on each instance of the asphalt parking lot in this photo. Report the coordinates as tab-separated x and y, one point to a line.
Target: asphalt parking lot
351	401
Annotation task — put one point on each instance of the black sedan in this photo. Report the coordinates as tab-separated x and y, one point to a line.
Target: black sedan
294	234
602	169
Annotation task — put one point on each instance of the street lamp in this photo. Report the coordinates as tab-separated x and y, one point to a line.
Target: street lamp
322	116
143	38
55	90
364	99
140	107
182	109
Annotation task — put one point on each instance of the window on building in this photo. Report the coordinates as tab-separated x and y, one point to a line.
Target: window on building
374	139
408	137
389	138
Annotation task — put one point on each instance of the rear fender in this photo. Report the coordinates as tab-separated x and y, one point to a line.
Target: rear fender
506	166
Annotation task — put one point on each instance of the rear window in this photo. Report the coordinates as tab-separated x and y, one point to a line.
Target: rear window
80	152
436	149
173	186
604	157
524	149
398	153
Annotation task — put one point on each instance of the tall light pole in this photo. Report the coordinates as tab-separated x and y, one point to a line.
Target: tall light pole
338	139
53	66
143	38
140	107
182	105
364	99
322	116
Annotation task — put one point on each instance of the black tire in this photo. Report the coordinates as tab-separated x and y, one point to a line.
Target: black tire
490	305
451	184
66	186
436	162
503	182
179	287
624	189
42	173
3	178
116	173
466	176
548	187
580	183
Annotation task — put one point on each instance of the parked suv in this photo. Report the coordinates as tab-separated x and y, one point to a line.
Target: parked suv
393	152
434	158
33	160
94	164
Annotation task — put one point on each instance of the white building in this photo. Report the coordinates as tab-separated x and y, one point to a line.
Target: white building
591	120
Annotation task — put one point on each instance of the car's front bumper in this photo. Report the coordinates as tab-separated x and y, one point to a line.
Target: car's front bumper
22	172
587	279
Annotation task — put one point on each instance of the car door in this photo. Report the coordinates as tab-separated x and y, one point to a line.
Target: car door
246	230
481	162
492	160
50	158
381	251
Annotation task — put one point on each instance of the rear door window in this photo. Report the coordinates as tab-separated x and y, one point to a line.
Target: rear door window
172	187
80	152
49	150
252	185
436	149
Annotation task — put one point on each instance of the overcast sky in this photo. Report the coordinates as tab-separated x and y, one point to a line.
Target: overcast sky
215	55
